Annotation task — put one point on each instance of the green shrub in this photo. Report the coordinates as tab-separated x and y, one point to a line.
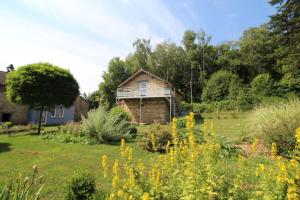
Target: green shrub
71	129
6	125
158	133
262	85
81	187
277	123
118	111
220	86
181	122
105	127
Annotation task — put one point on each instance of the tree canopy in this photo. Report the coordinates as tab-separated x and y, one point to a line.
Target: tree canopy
41	86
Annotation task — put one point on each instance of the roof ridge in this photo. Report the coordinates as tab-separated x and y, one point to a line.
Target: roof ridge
145	71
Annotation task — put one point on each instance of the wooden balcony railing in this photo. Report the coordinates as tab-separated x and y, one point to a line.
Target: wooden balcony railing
129	92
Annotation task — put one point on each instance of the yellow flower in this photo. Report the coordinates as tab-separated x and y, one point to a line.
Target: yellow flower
120	193
116	168
294	162
112	196
122	148
274	149
254	145
297	135
153	141
105	165
174	131
146	196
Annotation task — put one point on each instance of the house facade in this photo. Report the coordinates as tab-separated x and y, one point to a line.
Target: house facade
10	112
22	114
60	114
148	98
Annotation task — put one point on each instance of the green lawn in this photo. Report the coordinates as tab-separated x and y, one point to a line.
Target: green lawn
57	162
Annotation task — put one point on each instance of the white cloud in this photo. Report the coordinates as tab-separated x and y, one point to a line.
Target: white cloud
79	35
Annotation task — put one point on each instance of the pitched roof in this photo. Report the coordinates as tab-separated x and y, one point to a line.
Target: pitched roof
2	77
142	71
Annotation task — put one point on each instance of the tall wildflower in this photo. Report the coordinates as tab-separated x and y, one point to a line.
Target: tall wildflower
174	132
123	148
153	142
105	165
274	150
254	145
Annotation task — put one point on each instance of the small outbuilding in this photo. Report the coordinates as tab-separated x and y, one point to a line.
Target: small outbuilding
148	98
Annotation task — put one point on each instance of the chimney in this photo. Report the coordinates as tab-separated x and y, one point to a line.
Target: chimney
10	68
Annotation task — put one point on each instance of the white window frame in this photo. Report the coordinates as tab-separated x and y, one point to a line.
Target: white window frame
52	113
63	112
145	88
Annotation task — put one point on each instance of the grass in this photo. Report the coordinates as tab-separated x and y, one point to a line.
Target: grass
57	162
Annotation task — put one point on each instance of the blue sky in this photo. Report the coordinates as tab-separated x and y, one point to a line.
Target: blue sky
83	35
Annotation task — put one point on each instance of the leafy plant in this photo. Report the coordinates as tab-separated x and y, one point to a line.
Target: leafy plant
105	127
81	187
23	188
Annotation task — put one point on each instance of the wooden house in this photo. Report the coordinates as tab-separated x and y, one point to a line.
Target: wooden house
148	98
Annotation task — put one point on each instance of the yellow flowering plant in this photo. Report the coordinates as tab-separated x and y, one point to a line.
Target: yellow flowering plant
191	170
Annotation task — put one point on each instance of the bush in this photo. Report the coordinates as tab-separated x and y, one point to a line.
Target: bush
71	129
118	111
158	135
262	85
181	122
220	86
277	123
105	127
81	187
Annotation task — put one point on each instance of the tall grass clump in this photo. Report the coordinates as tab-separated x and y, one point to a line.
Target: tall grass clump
103	126
277	123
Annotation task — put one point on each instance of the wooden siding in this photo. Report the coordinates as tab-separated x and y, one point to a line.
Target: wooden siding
153	110
155	87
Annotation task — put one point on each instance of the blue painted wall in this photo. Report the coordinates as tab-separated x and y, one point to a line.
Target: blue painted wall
33	116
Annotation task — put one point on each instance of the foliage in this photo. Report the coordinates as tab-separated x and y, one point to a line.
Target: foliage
155	139
262	85
93	99
277	123
6	125
41	86
23	188
219	86
284	24
116	74
190	170
81	187
105	127
181	122
66	138
118	111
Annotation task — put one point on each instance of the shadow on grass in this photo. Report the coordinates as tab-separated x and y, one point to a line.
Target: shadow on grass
5	147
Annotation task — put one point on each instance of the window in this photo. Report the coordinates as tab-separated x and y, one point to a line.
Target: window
143	88
61	111
52	112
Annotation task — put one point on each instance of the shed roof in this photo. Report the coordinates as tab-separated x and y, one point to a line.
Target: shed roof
143	71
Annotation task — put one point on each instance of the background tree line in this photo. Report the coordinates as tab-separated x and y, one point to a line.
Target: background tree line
263	62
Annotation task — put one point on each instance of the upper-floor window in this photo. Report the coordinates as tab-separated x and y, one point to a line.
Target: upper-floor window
143	88
61	111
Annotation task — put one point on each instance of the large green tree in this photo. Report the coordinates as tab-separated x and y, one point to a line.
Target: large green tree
116	74
285	25
41	86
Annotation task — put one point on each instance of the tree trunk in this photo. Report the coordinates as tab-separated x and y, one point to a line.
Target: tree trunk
40	119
